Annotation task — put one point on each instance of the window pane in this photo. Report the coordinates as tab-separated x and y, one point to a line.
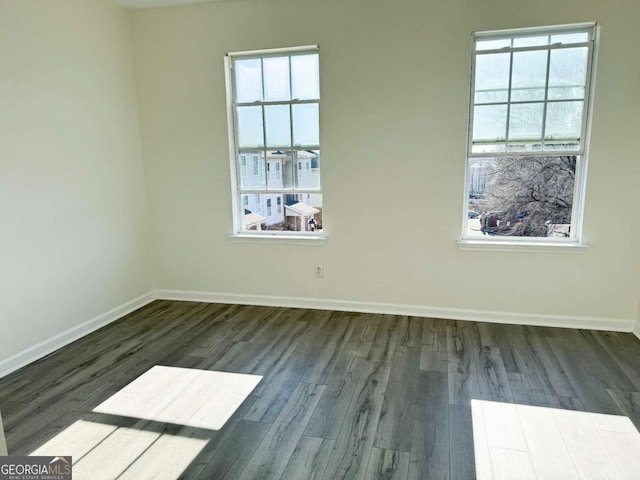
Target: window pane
276	79
491	96
278	125
568	73
303	212
567	38
260	214
493	44
306	129
561	145
525	121
282	212
531	41
529	76
521	196
305	76
489	122
488	148
252	171
492	76
307	163
248	80
564	120
250	132
280	174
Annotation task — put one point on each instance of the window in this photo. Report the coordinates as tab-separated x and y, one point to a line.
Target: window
274	104
528	134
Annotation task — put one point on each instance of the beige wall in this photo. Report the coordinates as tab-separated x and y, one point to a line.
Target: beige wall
395	83
74	239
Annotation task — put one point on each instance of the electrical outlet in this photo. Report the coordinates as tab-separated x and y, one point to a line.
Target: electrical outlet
318	271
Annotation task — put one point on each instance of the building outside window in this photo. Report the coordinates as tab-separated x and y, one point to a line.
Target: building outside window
528	134
274	103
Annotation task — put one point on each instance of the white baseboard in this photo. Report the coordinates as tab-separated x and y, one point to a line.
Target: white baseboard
54	343
563	321
48	346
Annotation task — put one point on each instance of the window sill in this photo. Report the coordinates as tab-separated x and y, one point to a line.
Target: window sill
279	239
522	247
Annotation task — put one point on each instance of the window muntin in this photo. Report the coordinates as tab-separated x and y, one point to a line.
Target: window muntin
274	104
530	95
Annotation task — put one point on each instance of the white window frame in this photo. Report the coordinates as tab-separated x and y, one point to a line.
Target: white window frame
533	243
312	238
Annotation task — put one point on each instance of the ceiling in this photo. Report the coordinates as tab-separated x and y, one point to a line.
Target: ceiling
156	3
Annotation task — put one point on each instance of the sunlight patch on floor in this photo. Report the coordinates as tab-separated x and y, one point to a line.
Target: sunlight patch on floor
104	452
193	398
182	396
526	442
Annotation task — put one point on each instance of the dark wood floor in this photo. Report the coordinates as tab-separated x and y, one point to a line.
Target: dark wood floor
344	395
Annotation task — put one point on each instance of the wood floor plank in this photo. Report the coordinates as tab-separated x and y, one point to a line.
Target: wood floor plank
432	360
492	375
329	415
503	426
410	331
270	403
461	452
388	465
352	449
434	333
482	452
385	340
587	449
228	458
430	435
334	348
309	459
275	450
602	367
462	370
593	396
509	464
527	389
533	355
397	417
623	353
565	403
624	450
629	404
546	445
